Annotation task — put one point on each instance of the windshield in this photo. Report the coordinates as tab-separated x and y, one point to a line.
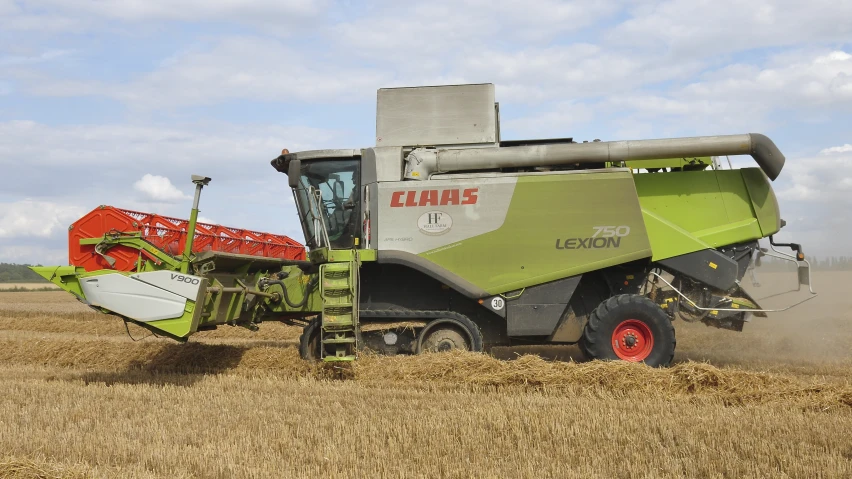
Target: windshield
335	183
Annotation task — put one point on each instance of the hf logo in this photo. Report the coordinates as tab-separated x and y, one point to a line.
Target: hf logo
434	223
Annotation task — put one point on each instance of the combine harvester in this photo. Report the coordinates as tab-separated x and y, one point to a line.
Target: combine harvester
468	240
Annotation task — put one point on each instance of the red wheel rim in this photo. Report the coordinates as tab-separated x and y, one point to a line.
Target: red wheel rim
632	340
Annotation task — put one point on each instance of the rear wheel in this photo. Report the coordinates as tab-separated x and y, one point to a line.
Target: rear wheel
629	327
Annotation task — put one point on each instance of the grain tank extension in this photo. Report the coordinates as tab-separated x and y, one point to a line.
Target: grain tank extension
444	236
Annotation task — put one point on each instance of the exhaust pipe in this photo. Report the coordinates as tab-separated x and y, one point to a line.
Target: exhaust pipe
422	163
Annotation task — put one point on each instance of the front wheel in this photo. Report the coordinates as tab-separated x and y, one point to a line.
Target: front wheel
309	341
629	327
449	334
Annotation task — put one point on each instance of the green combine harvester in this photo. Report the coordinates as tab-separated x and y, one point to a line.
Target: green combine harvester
443	236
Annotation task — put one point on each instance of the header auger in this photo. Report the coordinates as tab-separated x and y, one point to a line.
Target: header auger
443	236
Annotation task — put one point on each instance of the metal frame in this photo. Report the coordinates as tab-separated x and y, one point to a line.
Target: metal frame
739	310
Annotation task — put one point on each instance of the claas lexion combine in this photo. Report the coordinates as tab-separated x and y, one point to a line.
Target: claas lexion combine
443	236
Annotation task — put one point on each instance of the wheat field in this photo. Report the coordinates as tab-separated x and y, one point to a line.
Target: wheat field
81	399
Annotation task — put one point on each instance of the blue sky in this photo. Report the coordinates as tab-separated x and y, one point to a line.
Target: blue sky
120	102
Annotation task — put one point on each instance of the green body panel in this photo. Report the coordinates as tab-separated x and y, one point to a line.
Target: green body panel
66	277
545	212
694	210
179	327
698	162
669	214
763	200
326	255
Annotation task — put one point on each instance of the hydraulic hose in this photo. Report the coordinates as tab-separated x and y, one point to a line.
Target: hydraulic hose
310	287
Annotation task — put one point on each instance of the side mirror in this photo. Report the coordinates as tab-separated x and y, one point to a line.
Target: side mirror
294	171
338	189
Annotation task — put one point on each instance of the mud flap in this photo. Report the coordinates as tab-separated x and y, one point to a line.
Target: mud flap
804	270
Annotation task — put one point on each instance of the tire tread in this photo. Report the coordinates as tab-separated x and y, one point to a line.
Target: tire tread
593	344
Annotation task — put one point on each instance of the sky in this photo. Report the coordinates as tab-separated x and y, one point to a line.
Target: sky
119	102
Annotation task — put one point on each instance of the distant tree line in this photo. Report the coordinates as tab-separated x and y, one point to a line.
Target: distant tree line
18	273
829	263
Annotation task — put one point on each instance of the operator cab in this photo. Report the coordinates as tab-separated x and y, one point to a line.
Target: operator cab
326	187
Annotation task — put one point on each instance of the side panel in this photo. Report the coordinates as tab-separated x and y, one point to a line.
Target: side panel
708	266
695	210
436	115
763	200
180	284
416	217
521	230
539	308
132	298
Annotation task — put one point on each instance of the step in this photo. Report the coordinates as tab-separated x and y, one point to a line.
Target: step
337	320
338	359
337	289
339	341
338	307
341	284
341	266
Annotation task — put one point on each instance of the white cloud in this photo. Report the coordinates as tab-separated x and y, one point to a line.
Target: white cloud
815	197
570	72
689	28
42	254
277	16
741	97
46	56
159	188
240	67
425	34
136	10
556	123
847	148
132	149
816	80
820	179
30	218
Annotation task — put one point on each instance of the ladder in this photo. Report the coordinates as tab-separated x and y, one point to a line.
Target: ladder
339	292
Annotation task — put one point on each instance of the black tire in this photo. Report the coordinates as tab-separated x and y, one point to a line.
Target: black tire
449	334
309	341
637	319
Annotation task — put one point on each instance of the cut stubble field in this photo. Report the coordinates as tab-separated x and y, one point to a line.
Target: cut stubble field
81	399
